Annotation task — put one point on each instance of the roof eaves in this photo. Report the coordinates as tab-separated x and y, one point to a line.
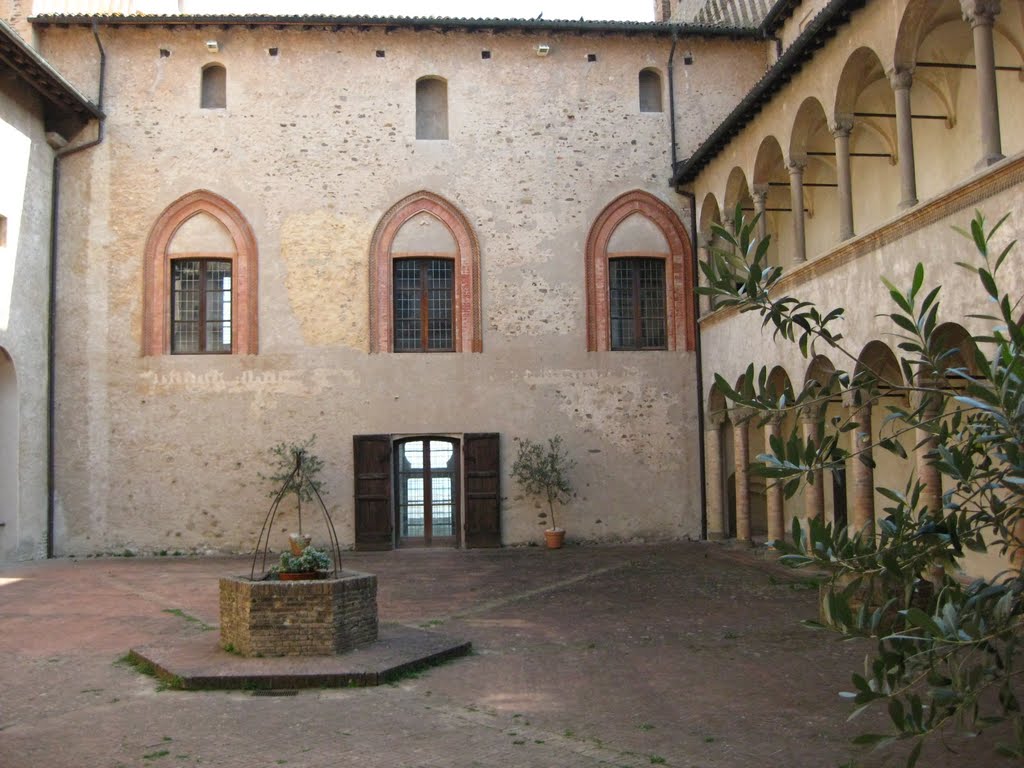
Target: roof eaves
40	74
820	30
777	15
411	22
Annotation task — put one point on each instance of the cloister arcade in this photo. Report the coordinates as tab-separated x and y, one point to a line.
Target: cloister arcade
896	116
876	128
744	505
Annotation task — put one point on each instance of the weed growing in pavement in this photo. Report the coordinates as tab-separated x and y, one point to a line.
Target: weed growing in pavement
190	618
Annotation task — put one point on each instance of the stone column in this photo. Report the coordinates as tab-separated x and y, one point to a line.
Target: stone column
796	197
718	526
927	473
773	491
741	447
901	80
981	14
705	304
814	494
863	518
760	196
841	133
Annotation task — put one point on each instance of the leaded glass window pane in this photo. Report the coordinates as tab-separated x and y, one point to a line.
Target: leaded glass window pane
200	306
636	303
424	305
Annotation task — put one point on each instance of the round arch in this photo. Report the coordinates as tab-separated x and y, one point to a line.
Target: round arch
737	193
809	124
710	214
769	165
779	384
877	366
863	69
820	375
957	350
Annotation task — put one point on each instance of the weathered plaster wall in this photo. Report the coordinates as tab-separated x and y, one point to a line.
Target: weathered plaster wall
315	145
16	13
24	270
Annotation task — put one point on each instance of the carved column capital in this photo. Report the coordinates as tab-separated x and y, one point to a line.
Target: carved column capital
812	414
853	398
714	420
842	127
980	12
740	414
796	167
901	79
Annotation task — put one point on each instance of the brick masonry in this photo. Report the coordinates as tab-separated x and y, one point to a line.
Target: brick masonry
298	618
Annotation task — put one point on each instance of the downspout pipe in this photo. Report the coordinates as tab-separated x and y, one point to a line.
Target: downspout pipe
672	92
51	330
701	447
692	198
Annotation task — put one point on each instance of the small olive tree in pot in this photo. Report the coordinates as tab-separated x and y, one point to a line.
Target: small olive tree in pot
543	470
296	471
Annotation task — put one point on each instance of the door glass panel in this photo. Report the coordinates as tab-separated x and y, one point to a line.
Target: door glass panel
425	494
442	486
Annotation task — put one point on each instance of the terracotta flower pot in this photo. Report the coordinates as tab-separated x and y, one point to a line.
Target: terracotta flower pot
302	576
554	538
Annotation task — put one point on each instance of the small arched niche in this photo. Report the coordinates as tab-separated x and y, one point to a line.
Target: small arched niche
431	109
214	93
650	90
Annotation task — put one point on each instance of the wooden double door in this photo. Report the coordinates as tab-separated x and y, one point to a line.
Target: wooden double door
427	491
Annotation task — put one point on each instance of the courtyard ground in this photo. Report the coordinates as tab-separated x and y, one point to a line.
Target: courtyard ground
688	655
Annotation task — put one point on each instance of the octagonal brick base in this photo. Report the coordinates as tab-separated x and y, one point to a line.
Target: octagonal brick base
298	618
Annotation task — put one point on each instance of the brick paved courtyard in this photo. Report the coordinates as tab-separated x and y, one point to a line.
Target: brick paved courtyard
688	655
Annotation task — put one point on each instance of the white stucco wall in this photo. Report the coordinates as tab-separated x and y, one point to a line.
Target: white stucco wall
25	185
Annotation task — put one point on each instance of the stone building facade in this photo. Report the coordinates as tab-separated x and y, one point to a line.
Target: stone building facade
308	160
420	240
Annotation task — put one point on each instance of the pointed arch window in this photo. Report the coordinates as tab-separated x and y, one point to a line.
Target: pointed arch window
639	278
424	279
200	280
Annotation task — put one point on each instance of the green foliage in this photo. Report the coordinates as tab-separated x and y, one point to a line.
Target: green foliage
295	470
947	653
311	560
543	470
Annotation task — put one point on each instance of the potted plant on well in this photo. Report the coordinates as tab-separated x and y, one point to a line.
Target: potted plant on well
543	470
312	563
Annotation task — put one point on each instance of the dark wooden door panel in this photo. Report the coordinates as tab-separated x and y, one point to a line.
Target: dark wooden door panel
482	466
372	463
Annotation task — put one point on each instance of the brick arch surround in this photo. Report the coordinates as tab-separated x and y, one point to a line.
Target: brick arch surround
156	313
679	297
468	336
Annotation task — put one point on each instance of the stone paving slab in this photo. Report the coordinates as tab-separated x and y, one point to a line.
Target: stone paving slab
199	662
